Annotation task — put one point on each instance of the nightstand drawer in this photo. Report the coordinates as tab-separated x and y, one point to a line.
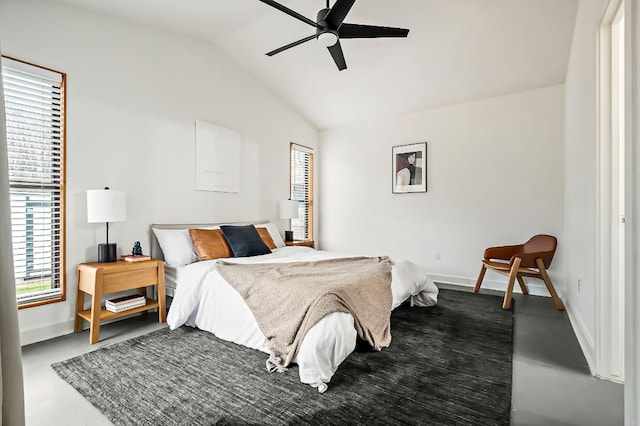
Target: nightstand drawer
126	280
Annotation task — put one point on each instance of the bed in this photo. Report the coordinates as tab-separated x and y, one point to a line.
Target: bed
202	298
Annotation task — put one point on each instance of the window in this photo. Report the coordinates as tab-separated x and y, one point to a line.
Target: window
302	191
35	122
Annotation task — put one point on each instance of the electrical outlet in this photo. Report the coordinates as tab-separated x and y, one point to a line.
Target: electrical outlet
436	255
579	284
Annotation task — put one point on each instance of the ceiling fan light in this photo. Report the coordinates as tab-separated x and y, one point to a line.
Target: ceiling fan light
327	39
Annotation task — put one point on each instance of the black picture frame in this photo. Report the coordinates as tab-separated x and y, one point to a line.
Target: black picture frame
409	168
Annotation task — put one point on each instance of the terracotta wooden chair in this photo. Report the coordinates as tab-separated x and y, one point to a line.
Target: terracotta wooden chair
530	259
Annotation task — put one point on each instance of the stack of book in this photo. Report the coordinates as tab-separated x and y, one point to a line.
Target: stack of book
124	303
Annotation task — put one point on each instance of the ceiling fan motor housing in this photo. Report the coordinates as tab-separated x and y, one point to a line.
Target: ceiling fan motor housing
323	26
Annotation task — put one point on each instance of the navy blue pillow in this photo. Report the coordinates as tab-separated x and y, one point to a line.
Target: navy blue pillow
244	240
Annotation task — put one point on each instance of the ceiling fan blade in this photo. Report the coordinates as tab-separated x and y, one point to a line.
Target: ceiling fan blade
295	43
338	12
290	12
370	31
338	56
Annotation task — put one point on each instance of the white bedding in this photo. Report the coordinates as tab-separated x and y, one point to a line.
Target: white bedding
171	275
203	299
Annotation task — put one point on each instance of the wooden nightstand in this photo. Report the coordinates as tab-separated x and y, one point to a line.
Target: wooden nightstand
97	279
304	243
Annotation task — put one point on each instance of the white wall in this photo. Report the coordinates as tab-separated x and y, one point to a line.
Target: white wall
581	174
495	176
133	95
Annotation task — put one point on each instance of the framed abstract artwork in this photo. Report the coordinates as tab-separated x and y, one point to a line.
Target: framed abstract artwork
409	168
217	158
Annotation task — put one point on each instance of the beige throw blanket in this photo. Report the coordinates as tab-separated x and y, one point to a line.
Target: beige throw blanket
287	299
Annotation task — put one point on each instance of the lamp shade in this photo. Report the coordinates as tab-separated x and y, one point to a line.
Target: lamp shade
106	205
289	209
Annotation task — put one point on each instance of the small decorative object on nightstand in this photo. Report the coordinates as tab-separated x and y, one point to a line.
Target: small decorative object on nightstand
303	243
136	254
137	249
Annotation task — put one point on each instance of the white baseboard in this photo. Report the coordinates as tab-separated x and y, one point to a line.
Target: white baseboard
47	332
40	334
588	346
535	289
584	338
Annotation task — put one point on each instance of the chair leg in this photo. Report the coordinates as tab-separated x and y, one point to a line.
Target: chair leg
480	278
512	280
523	286
547	282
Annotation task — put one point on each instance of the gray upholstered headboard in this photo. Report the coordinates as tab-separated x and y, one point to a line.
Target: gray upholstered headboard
156	251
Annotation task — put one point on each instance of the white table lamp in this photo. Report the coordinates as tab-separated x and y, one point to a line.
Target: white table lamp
289	210
106	205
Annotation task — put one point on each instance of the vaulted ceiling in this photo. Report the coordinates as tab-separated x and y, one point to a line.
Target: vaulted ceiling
456	51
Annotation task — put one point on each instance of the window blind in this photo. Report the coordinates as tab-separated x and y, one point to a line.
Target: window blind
302	191
35	122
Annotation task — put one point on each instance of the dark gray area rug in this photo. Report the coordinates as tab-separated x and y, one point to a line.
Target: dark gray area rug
447	365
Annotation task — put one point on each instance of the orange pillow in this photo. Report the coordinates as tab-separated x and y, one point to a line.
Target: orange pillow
266	237
210	244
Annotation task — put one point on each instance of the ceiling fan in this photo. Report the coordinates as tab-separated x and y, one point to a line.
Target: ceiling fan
330	29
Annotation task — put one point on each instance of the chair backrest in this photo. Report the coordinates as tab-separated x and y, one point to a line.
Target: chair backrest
543	244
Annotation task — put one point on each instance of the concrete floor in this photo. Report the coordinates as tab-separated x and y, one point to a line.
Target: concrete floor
552	384
551	380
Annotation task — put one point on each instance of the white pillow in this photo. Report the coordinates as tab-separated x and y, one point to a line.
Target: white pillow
274	232
176	245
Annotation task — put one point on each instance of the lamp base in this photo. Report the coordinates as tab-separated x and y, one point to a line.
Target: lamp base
288	235
107	253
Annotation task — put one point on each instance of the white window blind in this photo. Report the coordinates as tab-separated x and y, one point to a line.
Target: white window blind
35	122
302	191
